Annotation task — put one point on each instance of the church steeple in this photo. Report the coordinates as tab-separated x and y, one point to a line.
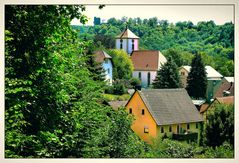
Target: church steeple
127	41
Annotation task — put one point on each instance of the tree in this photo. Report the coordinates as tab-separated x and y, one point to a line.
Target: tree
220	125
167	76
97	72
123	66
197	79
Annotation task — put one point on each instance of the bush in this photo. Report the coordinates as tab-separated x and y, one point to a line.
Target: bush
119	89
223	151
135	82
109	90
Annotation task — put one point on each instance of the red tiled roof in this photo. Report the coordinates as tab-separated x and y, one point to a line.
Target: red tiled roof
225	100
225	86
100	55
147	60
204	107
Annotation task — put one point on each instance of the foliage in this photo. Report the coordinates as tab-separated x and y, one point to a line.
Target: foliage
197	79
123	66
112	97
97	72
53	106
135	82
220	125
168	148
171	149
167	76
122	141
223	151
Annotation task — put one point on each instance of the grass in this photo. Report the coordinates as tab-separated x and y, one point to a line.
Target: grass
112	97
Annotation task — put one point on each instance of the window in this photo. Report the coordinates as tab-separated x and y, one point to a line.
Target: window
162	130
130	110
108	70
121	44
142	111
170	129
148	78
146	129
140	75
132	44
188	126
196	125
183	73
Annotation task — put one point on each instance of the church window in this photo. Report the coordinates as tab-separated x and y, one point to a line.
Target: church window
148	78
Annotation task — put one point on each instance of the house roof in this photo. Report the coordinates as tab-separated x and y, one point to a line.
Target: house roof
226	86
170	106
204	107
101	55
229	79
225	100
221	100
211	72
116	104
147	60
127	34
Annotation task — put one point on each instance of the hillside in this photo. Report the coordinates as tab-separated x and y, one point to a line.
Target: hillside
215	42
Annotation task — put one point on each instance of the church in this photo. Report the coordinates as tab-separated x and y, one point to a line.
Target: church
146	62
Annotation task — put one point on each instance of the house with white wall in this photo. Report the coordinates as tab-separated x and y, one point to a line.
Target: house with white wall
146	64
107	64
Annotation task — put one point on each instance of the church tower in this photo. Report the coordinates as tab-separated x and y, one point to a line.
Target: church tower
127	41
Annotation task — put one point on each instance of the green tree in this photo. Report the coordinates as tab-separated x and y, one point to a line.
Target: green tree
197	79
220	125
167	76
123	66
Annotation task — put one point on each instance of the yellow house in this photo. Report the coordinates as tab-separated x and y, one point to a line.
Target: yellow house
162	111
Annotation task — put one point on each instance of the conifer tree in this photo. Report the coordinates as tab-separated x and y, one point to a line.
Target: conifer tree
96	70
197	79
167	76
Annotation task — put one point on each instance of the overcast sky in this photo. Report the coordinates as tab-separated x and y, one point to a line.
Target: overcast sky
173	13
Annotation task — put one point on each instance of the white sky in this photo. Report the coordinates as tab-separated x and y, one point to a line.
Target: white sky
173	13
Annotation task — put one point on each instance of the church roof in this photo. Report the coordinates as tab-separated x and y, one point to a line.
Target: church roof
101	55
147	60
127	34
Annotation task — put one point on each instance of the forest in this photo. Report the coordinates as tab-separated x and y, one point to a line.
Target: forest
54	103
214	42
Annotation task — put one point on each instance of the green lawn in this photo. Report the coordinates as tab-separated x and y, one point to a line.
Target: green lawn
112	97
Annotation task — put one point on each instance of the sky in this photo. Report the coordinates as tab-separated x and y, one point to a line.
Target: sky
220	14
